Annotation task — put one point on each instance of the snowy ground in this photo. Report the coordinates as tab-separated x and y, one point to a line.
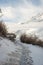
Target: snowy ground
18	53
9	52
14	53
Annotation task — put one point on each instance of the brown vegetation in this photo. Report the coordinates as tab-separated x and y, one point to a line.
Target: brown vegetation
31	40
4	33
3	30
11	36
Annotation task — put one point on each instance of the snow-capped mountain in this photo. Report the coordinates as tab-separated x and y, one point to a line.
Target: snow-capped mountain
37	18
34	26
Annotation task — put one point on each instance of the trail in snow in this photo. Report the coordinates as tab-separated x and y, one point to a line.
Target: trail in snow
14	53
25	55
17	53
25	58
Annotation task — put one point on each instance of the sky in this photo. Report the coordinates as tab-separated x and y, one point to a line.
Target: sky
20	10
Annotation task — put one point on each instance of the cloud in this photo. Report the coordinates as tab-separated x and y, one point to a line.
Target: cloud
8	12
20	10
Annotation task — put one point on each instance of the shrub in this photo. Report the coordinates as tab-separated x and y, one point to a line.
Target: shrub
3	30
28	39
31	40
11	36
40	42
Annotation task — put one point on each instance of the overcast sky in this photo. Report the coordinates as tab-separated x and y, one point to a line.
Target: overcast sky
20	10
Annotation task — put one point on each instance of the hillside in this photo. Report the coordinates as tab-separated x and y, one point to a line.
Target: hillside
34	25
8	52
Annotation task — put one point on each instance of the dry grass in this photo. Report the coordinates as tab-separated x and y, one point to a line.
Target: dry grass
11	36
31	40
3	29
4	33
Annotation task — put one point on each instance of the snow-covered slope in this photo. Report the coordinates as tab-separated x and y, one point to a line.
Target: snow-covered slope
33	26
6	46
9	52
36	18
29	28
